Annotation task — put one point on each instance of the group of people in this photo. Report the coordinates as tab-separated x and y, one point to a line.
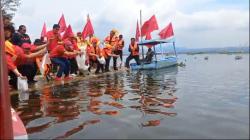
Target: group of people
23	56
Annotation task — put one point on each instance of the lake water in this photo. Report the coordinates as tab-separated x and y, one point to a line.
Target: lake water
204	99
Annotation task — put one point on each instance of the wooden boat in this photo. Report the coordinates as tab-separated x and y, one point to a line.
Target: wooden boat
238	57
164	62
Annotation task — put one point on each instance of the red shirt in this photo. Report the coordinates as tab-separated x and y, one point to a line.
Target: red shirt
21	59
58	51
54	39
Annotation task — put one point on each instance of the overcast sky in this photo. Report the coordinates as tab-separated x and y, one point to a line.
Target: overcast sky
197	23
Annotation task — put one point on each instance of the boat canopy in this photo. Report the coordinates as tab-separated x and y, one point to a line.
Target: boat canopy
153	42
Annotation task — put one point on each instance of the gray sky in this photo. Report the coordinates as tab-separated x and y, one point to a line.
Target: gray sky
197	23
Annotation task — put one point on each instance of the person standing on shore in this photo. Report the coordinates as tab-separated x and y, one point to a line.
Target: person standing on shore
134	53
112	40
120	46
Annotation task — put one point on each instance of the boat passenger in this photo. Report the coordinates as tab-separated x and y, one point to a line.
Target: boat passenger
149	56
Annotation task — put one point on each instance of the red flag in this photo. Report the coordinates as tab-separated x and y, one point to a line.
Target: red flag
149	26
166	32
68	32
44	32
62	24
88	29
148	36
138	34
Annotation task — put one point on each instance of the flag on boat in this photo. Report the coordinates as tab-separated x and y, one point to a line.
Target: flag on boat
88	29
149	26
167	32
62	24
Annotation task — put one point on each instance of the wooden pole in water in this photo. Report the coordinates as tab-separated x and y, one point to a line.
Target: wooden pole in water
141	37
6	130
174	49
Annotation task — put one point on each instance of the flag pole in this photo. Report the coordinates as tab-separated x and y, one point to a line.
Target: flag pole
6	130
141	36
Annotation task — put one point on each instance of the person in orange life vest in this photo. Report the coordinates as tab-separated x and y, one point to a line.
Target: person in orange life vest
54	37
94	52
72	59
15	56
108	53
134	53
59	57
120	46
112	40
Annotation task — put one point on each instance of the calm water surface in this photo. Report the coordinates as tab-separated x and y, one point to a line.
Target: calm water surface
205	99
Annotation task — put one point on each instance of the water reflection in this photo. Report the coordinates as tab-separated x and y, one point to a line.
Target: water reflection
156	93
148	92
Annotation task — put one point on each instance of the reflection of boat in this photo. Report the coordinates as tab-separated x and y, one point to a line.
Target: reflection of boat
238	57
168	61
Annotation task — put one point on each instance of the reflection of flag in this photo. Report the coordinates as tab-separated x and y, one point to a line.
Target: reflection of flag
138	34
43	33
149	26
6	130
88	29
62	24
166	32
68	33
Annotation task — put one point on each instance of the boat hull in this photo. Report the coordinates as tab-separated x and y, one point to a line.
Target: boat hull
162	63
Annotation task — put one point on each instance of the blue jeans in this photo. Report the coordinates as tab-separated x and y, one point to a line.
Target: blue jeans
64	66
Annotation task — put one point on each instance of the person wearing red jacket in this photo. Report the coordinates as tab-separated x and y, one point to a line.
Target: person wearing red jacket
59	56
72	59
15	56
54	37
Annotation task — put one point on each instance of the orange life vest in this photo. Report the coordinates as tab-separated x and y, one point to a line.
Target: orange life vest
120	44
134	49
112	41
94	50
106	51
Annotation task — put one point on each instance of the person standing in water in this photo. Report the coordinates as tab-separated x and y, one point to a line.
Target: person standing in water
134	53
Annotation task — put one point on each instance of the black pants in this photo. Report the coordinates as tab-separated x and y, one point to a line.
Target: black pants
118	52
99	67
107	63
130	57
13	79
28	70
73	66
91	64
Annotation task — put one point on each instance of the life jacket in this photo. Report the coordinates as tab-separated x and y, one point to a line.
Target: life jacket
107	50
120	44
134	49
94	50
112	41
